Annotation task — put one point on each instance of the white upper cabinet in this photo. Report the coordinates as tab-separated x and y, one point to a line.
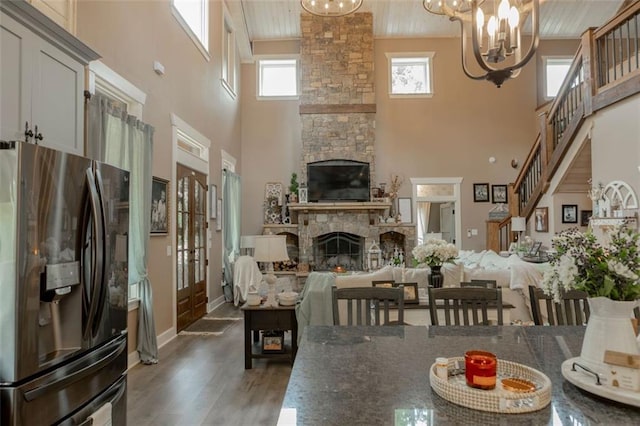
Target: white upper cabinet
42	81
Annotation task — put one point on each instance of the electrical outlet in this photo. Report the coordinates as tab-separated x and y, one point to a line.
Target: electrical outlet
474	232
168	250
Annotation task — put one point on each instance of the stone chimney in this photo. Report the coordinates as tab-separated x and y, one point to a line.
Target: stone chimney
337	103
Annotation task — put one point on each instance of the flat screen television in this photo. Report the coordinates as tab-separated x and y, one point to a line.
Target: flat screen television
338	180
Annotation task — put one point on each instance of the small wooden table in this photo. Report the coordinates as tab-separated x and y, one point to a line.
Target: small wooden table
257	318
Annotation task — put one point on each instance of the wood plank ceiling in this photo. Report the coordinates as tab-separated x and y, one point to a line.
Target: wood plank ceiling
280	19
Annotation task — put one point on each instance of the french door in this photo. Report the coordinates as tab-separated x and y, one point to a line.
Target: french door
191	227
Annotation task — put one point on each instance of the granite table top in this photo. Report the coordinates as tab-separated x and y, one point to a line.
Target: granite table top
380	376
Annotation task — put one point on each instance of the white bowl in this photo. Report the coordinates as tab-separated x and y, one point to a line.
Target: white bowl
253	299
288	298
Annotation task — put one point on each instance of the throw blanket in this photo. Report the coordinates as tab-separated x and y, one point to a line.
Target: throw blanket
316	306
246	277
488	264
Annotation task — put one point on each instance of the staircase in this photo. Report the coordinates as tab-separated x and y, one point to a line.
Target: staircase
605	70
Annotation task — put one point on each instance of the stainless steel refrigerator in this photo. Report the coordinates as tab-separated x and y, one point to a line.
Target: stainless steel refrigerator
64	222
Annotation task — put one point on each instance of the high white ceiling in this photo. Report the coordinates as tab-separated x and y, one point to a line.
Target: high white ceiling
280	19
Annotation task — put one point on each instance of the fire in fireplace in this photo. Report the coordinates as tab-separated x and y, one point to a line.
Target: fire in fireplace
338	251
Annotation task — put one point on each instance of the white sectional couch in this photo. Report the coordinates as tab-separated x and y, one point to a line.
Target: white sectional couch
513	276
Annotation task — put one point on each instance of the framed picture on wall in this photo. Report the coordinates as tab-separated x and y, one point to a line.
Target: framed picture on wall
213	196
569	213
219	214
542	219
404	208
481	192
585	215
498	194
159	206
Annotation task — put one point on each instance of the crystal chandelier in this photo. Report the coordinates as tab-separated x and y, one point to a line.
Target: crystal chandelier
500	32
331	7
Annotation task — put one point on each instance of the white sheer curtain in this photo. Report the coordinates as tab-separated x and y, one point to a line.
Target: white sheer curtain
231	217
424	209
123	141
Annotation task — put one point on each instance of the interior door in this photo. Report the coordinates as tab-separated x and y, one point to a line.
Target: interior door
447	223
191	256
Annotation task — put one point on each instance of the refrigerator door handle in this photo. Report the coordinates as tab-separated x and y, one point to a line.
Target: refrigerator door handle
97	253
114	394
63	382
101	289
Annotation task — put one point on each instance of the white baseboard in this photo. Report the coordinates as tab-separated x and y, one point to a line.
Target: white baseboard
134	358
166	337
215	303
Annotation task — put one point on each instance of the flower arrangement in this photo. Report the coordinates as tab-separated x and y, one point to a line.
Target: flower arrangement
434	252
584	264
394	187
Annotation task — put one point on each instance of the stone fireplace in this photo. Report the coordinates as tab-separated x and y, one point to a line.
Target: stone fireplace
337	110
337	101
338	251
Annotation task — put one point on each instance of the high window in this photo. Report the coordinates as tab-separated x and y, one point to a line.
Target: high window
228	54
555	70
278	78
193	15
410	74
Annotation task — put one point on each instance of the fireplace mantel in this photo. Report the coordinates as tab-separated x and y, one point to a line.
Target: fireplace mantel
303	210
375	206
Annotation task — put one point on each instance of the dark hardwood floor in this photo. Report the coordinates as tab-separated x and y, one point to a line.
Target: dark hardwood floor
201	380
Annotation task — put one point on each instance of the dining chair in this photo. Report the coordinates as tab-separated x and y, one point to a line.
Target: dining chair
480	283
364	305
465	306
573	308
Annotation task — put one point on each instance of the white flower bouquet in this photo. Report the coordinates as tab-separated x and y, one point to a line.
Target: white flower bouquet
584	264
434	252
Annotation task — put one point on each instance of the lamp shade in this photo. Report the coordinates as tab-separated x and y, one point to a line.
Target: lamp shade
518	224
270	248
247	241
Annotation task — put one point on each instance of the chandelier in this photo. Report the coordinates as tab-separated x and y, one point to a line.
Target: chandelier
331	7
503	57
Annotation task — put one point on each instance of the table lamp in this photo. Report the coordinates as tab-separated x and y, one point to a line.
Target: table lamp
518	224
269	249
247	244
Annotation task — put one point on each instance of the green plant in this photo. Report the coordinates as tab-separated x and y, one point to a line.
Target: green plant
583	263
293	185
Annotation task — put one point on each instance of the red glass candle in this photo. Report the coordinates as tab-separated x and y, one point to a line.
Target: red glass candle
480	369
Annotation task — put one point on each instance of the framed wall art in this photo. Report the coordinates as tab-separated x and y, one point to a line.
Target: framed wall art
499	194
404	208
303	195
569	213
213	196
585	215
273	342
219	214
542	219
410	292
159	206
383	283
481	192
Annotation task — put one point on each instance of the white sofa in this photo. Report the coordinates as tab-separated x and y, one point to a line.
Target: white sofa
453	274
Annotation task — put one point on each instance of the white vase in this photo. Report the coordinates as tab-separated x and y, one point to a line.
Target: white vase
609	328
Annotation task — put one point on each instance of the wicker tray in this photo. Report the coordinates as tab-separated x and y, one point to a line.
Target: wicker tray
496	400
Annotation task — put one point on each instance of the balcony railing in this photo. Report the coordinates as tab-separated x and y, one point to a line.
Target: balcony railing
605	70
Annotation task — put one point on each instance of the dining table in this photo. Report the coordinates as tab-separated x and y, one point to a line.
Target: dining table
368	375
